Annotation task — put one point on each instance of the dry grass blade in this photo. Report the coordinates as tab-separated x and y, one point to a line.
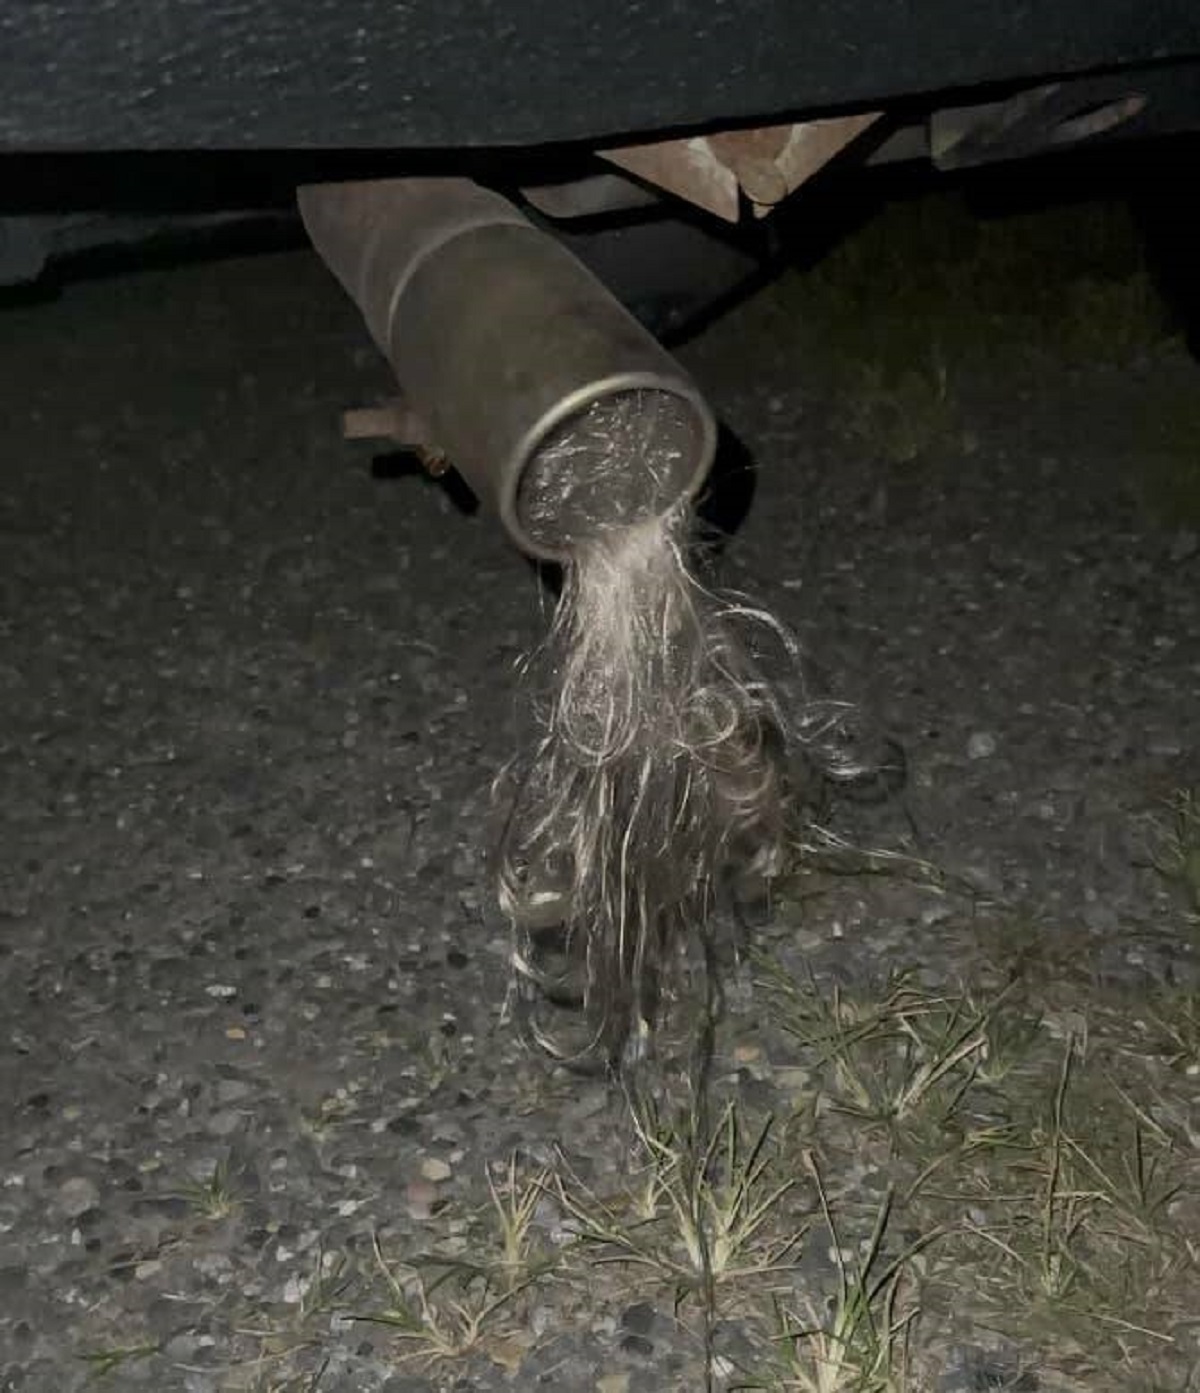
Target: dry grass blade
860	1346
702	1216
515	1204
102	1362
891	1057
442	1328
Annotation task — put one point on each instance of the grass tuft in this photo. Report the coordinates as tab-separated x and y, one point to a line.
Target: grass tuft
860	1343
700	1215
216	1197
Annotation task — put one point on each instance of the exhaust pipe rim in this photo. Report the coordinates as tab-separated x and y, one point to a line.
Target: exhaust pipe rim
524	457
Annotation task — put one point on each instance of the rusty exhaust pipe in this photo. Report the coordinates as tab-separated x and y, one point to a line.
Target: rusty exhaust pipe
517	362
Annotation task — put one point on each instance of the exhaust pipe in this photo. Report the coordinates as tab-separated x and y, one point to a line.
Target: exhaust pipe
563	414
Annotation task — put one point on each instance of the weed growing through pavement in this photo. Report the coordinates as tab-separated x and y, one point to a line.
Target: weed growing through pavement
441	1318
887	1059
963	1164
1017	1164
321	1122
324	1292
216	1197
1086	1255
446	1306
858	1343
1059	1170
514	1204
698	1216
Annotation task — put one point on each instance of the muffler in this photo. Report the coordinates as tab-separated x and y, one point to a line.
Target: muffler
562	413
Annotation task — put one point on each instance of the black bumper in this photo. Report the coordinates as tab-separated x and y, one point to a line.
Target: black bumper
438	74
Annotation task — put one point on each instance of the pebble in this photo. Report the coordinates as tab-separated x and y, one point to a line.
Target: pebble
232	1091
613	1383
1100	916
433	1168
420	1197
983	878
981	745
1164	747
77	1195
807	940
181	1349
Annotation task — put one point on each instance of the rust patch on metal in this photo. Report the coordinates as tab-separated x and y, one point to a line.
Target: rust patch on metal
397	423
688	168
767	163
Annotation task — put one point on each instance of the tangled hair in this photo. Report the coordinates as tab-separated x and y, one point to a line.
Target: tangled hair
660	767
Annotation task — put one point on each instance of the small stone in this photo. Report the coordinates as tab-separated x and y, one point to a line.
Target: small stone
983	878
181	1349
981	745
420	1197
232	1091
77	1195
747	1053
1100	916
435	1169
509	1353
1164	746
235	1032
1065	1024
613	1383
793	1080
